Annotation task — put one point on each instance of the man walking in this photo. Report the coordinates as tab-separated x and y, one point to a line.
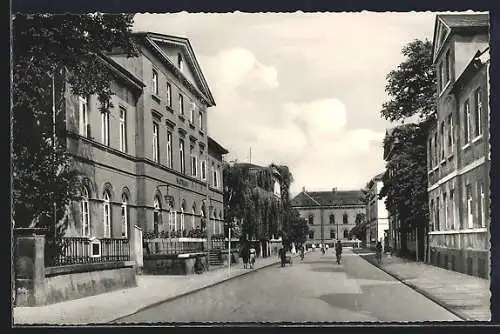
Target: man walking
338	250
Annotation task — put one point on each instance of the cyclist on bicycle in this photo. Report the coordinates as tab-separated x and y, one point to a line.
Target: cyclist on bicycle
338	250
379	252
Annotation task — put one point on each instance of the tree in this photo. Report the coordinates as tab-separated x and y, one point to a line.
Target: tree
51	53
412	86
299	229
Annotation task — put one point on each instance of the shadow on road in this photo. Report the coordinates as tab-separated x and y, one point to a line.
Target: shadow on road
330	269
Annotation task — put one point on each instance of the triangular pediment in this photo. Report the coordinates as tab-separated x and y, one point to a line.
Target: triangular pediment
171	49
441	32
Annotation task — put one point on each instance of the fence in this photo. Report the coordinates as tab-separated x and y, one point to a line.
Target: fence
81	250
161	246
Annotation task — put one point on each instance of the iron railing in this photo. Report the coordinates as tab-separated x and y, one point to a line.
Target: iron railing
82	250
161	246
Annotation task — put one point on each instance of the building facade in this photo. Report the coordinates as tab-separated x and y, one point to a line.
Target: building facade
458	146
331	215
149	161
377	217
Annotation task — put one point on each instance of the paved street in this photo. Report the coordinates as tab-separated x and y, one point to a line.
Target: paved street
315	289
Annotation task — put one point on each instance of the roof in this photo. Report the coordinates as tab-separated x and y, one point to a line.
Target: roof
480	58
465	20
212	144
154	40
328	198
445	24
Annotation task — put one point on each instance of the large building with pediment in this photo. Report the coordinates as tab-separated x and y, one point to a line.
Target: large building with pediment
149	161
331	215
458	160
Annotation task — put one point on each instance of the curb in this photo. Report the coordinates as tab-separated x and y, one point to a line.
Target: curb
172	298
422	292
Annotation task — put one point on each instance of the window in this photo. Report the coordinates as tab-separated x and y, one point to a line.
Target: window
441	77
468	196
86	228
123	130
438	203
445	205
344	218
311	219
467	122
450	134
193	112
107	216
156	144
181	104
181	156
203	168
182	219
311	234
156	215
430	153
193	215
155	82
83	114
169	95
442	140
432	216
180	64
482	206
477	111
346	234
447	73
194	162
171	220
216	177
105	127
124	216
332	234
169	150
452	201
332	219
435	151
200	120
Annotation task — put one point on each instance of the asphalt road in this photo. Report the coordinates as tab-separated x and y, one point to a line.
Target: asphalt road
315	289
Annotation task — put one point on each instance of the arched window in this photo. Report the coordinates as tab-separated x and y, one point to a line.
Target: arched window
193	213
344	218
124	216
332	219
156	215
107	215
86	227
346	234
182	219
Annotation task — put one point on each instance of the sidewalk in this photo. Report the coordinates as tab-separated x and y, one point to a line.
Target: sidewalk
466	296
150	290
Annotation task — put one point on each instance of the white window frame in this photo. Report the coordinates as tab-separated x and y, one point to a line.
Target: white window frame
85	213
445	204
182	219
169	95
212	172
482	200
478	108
438	220
156	130
193	217
182	156
171	221
443	140
451	132
155	87
467	136
193	112
181	104
106	215
169	149
123	129
124	216
453	208
194	162
468	198
105	127
83	115
200	119
157	211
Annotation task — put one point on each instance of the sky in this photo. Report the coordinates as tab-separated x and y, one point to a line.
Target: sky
300	89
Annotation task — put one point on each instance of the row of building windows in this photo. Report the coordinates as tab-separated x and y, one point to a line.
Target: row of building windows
332	218
175	220
105	134
472	128
447	203
193	110
332	234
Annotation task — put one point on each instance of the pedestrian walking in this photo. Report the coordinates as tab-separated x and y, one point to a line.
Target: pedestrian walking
379	252
244	254
253	253
338	250
282	255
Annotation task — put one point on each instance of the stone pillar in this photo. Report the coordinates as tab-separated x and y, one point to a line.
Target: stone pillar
30	270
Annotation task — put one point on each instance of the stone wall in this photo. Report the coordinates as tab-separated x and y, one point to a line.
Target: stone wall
171	264
466	261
